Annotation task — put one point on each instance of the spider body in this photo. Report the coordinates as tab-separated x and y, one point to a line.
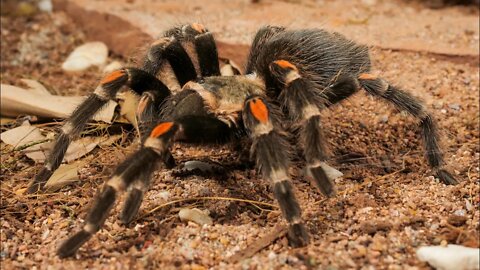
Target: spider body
290	75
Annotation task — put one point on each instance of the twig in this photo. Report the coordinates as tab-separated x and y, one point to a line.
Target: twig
278	231
25	146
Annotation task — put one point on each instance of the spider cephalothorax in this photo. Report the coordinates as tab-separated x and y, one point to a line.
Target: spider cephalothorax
304	71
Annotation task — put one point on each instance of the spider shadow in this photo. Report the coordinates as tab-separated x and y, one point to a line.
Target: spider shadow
230	206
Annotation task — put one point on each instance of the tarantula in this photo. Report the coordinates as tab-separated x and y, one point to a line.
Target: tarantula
290	74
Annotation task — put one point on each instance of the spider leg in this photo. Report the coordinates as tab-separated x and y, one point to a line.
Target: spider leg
176	48
304	102
135	170
194	125
138	80
148	110
206	51
147	115
191	128
270	150
134	198
133	175
342	88
406	102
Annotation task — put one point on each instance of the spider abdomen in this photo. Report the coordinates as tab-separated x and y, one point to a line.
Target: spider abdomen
319	55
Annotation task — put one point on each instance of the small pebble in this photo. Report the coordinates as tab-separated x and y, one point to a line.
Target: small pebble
195	243
63	224
383	119
362	251
450	257
85	56
45	5
213	236
22	248
457	220
39	211
38	257
272	255
195	215
468	205
454	106
224	241
460	212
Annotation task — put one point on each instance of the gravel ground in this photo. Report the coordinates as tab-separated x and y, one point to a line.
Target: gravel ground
387	206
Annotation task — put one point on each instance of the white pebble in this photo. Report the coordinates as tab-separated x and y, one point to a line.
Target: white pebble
164	195
468	205
195	215
85	56
383	119
450	257
45	5
45	234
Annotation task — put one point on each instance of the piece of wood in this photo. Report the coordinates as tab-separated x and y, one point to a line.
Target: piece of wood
15	101
277	232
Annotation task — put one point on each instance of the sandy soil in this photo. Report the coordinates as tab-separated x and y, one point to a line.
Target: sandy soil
388	203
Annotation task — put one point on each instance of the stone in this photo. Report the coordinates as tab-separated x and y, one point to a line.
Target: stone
450	257
195	215
85	56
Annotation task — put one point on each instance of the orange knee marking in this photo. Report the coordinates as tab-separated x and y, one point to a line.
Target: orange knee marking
113	76
367	76
199	27
285	64
161	129
259	110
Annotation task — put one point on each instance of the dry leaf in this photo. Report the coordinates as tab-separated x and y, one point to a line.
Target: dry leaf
111	140
76	149
36	86
22	135
15	101
64	175
26	134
